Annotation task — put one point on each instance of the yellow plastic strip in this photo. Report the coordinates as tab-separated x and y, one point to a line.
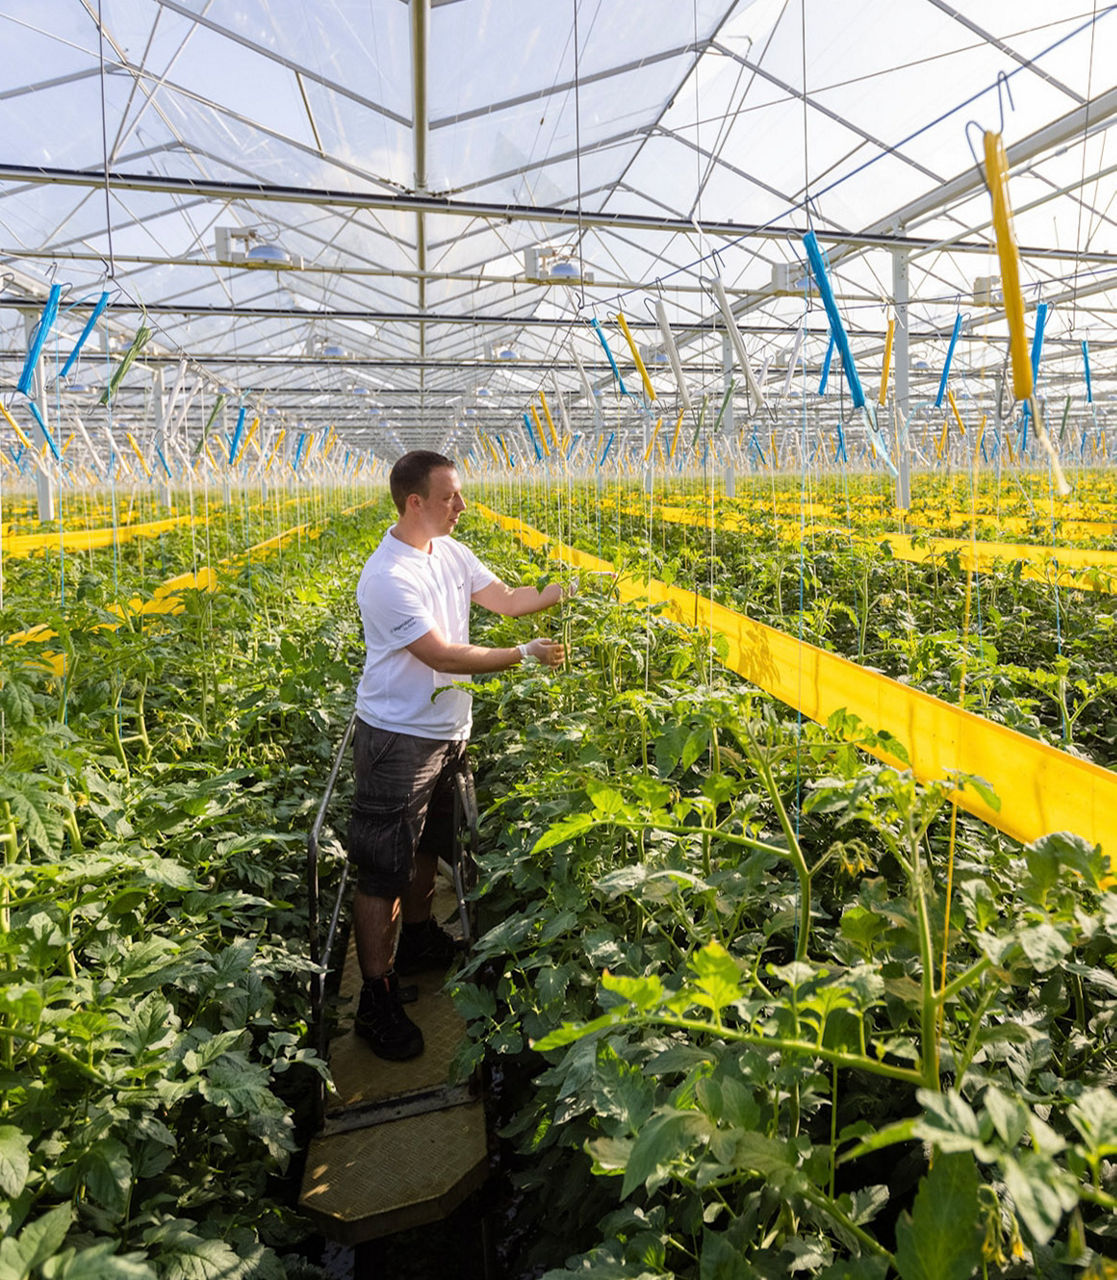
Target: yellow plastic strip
954	409
882	398
651	442
246	441
21	435
539	429
640	369
547	415
941	446
136	450
980	438
675	437
996	179
1041	788
275	449
25	544
11	420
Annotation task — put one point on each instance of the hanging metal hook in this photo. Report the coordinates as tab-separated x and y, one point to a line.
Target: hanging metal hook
1003	82
978	159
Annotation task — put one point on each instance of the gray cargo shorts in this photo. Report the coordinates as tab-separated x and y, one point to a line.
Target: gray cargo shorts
403	804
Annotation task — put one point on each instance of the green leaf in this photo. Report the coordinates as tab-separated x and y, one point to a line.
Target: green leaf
697	742
941	1239
98	1262
41	1239
890	1135
643	993
1041	1192
1009	1115
568	829
1094	1115
620	1089
665	1138
605	799
718	978
984	790
1043	944
107	1173
15	1159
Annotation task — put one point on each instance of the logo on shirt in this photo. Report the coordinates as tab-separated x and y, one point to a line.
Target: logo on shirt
402	626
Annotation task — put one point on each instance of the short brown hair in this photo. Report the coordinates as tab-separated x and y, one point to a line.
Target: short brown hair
412	474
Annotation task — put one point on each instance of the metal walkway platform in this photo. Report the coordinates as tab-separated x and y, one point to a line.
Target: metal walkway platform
399	1146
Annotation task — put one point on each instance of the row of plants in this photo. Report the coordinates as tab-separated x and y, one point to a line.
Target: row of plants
1021	652
154	803
759	1006
209	534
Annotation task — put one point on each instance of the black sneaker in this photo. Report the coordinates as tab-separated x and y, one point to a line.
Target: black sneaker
382	1022
424	946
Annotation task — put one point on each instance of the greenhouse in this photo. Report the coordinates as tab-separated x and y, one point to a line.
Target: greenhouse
750	368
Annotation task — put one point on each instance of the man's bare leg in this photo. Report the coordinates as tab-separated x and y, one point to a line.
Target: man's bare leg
420	893
374	922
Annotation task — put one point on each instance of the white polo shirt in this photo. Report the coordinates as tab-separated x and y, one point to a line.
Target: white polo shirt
402	593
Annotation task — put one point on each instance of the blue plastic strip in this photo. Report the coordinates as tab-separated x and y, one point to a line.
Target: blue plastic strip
14	455
755	444
531	437
818	270
39	337
43	428
840	454
236	434
159	454
1086	364
1037	339
608	446
605	346
826	367
102	303
949	358
299	450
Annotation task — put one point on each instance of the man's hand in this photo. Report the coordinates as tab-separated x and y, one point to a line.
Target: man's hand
551	653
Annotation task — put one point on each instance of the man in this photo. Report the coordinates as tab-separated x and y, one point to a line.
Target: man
412	728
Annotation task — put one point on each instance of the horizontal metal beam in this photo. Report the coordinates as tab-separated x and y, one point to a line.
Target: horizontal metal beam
436	317
434	204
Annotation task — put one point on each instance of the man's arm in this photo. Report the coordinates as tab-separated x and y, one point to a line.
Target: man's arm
515	602
437	652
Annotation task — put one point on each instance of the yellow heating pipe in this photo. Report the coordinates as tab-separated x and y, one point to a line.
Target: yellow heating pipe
636	356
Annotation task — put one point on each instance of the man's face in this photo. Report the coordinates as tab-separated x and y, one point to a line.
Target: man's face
444	504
